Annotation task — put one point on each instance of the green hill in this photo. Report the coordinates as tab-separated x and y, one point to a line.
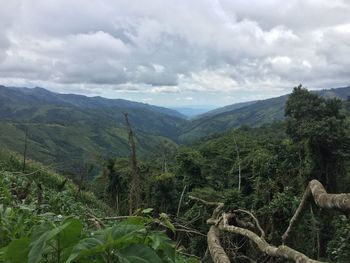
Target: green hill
67	129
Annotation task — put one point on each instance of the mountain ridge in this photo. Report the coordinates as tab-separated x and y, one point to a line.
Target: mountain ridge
254	114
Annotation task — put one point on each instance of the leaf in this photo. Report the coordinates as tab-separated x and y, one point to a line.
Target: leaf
70	235
147	211
163	245
17	250
87	247
126	233
40	237
139	254
165	219
138	220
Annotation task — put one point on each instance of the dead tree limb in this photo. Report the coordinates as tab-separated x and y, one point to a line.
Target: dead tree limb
280	251
262	232
180	201
217	253
322	199
134	194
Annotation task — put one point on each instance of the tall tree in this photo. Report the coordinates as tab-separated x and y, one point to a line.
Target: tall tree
318	124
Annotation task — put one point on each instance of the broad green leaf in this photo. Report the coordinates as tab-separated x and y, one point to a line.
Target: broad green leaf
125	234
87	247
147	211
163	245
139	254
38	244
70	235
165	219
17	250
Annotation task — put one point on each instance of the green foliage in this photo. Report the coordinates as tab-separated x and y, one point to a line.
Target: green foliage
58	229
65	241
190	170
319	124
339	247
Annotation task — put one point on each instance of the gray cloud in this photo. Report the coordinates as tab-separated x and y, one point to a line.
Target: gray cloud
213	46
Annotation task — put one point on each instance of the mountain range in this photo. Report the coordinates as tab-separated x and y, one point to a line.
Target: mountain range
67	129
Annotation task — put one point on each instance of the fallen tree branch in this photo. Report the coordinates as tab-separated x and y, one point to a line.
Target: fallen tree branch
280	251
322	199
219	255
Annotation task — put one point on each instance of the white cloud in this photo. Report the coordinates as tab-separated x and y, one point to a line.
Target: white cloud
164	47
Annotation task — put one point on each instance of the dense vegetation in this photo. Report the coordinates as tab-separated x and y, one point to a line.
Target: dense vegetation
45	218
264	170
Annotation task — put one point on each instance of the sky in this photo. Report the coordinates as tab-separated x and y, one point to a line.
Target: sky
175	53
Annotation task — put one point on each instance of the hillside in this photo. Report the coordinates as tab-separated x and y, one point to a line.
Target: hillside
252	114
46	218
66	129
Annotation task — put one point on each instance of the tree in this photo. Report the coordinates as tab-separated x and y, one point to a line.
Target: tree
190	167
114	183
318	124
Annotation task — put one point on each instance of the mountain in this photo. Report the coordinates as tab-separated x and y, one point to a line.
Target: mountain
224	109
27	96
253	114
191	112
68	128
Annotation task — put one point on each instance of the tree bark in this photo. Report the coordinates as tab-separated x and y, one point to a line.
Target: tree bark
322	199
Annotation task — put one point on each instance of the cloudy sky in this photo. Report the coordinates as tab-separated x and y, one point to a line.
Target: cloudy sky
175	53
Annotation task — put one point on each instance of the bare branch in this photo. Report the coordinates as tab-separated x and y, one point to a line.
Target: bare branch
221	223
280	251
262	232
180	201
204	201
297	213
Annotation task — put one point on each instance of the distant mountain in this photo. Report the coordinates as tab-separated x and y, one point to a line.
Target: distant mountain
224	109
41	96
191	112
66	128
250	113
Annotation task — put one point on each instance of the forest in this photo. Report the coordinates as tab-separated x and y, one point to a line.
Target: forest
277	192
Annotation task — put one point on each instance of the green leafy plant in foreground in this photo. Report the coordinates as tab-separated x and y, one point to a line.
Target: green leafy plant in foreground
130	241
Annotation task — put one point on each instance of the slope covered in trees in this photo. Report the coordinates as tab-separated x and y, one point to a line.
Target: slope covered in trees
66	129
